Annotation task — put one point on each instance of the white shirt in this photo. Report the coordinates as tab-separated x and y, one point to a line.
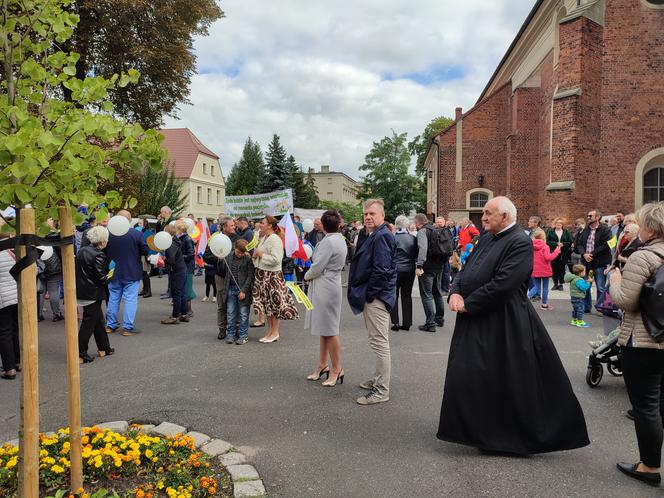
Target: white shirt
507	227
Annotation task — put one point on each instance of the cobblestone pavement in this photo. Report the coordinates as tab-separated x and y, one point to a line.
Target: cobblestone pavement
306	440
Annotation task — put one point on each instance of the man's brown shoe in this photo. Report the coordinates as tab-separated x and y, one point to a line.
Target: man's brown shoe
170	320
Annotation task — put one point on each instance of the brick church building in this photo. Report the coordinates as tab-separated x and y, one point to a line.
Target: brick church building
572	118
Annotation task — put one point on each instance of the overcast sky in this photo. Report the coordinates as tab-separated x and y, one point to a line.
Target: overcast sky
332	76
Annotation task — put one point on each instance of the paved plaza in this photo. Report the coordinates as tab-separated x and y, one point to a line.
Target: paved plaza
306	440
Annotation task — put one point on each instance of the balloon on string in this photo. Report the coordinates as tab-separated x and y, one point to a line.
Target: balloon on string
221	245
194	232
118	225
308	250
190	223
163	240
307	225
47	252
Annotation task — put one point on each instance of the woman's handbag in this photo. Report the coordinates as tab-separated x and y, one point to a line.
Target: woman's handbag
651	302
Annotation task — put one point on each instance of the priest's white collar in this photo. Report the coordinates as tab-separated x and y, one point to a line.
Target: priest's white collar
507	228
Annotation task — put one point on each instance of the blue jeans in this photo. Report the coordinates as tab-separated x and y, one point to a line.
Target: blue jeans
532	287
234	305
432	298
577	308
540	288
600	282
445	277
117	291
178	280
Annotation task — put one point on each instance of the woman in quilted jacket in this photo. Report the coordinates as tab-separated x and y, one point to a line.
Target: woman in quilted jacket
642	357
9	345
542	271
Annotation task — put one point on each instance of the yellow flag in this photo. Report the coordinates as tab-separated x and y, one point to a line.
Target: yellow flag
300	295
613	242
254	242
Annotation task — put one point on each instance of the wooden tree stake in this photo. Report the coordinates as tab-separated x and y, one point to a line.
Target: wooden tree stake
29	435
73	369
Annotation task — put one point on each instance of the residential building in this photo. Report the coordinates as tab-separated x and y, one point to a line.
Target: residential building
570	120
199	169
335	186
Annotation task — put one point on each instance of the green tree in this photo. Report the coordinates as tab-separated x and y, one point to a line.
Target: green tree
152	37
160	188
276	167
419	146
350	212
248	174
309	196
52	151
303	196
387	177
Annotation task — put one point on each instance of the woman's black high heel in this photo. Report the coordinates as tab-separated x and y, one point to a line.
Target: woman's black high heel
339	379
324	370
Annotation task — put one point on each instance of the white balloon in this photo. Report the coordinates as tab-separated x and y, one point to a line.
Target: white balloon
221	245
47	252
308	250
118	225
162	240
190	223
307	225
191	231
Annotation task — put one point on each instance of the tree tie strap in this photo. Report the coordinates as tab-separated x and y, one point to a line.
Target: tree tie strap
30	241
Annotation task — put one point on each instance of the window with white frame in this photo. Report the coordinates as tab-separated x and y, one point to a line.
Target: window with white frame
199	194
478	200
653	185
209	196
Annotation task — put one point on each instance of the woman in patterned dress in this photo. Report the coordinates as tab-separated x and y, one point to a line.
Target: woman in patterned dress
270	294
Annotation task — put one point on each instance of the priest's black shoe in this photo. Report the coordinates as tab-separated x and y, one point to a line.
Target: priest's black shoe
395	327
629	469
427	328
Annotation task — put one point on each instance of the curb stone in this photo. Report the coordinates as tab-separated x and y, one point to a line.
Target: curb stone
246	481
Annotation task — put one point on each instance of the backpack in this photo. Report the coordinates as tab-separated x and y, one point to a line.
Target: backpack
651	302
439	243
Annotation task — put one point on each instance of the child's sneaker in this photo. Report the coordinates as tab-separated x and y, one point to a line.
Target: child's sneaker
582	324
214	299
204	300
573	322
546	307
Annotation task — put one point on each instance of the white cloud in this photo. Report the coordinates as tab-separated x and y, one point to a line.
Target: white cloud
331	77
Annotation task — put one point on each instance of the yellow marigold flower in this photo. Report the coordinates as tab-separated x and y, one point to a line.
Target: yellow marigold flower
98	463
118	463
11	462
148	453
57	469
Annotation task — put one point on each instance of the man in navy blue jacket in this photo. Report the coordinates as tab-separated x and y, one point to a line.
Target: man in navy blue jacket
126	252
372	292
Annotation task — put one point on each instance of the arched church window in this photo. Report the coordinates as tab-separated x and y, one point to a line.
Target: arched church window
478	200
653	184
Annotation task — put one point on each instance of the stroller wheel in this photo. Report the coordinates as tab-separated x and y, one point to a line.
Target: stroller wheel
594	374
614	369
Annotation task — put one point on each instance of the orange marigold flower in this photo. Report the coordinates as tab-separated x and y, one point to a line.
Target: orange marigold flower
212	490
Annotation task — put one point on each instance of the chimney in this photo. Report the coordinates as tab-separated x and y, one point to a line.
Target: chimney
458	112
325	168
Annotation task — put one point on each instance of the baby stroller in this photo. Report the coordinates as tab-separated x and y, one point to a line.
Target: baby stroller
608	353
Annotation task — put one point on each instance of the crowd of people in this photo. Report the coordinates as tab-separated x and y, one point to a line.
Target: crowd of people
486	273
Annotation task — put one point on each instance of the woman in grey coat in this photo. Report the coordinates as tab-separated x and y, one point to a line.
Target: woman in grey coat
325	294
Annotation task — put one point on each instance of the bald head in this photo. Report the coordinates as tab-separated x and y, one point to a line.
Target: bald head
499	213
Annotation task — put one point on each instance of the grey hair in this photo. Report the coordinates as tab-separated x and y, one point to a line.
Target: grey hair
166	208
224	221
651	217
97	235
371	202
632	227
402	222
506	206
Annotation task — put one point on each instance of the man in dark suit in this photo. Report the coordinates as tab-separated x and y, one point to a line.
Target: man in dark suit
372	291
126	252
593	245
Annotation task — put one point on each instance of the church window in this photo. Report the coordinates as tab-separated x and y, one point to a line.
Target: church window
478	200
653	185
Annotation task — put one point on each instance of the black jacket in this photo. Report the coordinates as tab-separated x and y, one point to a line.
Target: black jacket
406	252
174	259
602	252
91	273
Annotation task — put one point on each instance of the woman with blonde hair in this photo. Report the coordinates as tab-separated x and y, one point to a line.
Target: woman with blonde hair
270	294
642	358
555	235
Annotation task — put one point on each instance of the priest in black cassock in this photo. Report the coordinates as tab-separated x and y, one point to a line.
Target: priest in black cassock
505	389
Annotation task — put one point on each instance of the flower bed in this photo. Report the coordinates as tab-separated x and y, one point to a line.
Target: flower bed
125	465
